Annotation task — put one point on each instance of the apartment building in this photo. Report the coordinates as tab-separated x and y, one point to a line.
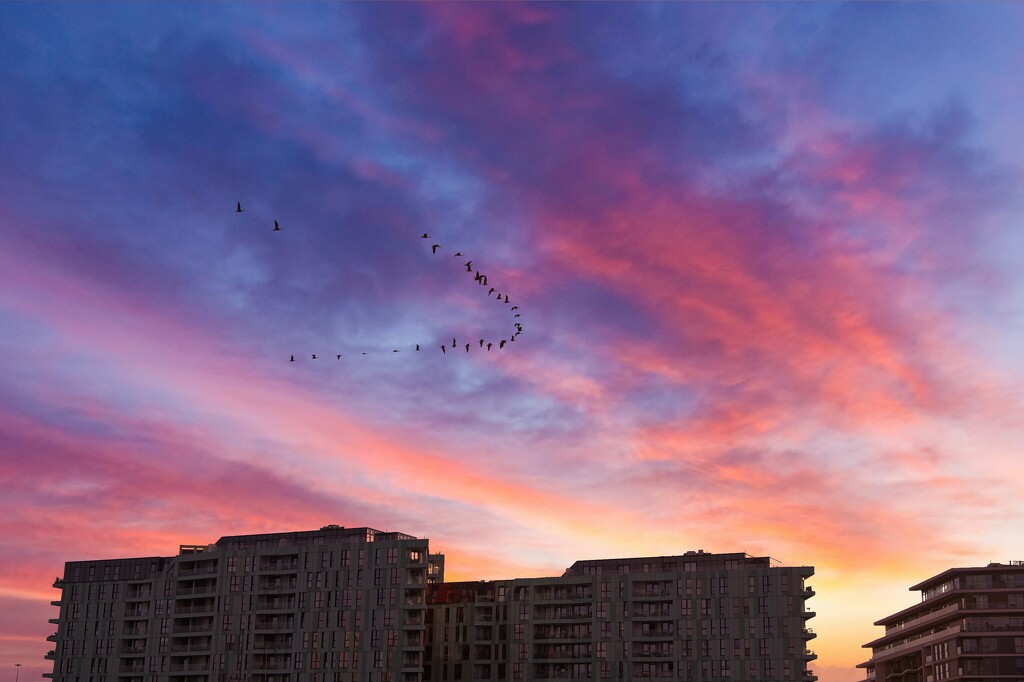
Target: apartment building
699	616
361	605
333	605
968	627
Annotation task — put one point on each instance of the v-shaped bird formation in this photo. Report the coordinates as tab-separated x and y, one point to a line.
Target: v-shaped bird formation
483	345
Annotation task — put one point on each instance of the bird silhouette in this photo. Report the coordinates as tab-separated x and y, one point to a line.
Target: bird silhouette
277	228
417	346
434	248
467	347
442	349
515	307
512	338
293	359
453	342
501	345
516	315
479	278
485	280
314	356
238	207
481	343
394	351
469	266
489	346
458	253
506	298
490	291
424	236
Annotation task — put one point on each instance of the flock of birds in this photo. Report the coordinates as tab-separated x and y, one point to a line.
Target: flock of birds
480	279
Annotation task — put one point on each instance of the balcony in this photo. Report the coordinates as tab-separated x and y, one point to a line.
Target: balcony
654	634
56	602
274	626
276	605
197	569
193	648
189	667
272	564
809	633
58	583
651	613
278	585
50	655
195	589
808	592
194	608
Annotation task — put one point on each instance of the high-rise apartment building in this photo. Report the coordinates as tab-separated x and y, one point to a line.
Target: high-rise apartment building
968	627
361	605
333	605
699	616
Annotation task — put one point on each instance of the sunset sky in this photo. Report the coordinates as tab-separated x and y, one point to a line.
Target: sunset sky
768	259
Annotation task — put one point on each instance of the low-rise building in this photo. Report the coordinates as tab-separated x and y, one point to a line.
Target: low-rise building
968	627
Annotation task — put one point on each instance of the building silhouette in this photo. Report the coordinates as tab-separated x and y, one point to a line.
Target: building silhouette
362	605
968	627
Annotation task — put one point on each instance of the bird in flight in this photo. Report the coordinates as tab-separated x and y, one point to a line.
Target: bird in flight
434	248
515	307
442	349
238	207
314	356
506	298
467	347
339	357
277	228
417	346
293	359
501	345
490	291
469	266
489	346
424	236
